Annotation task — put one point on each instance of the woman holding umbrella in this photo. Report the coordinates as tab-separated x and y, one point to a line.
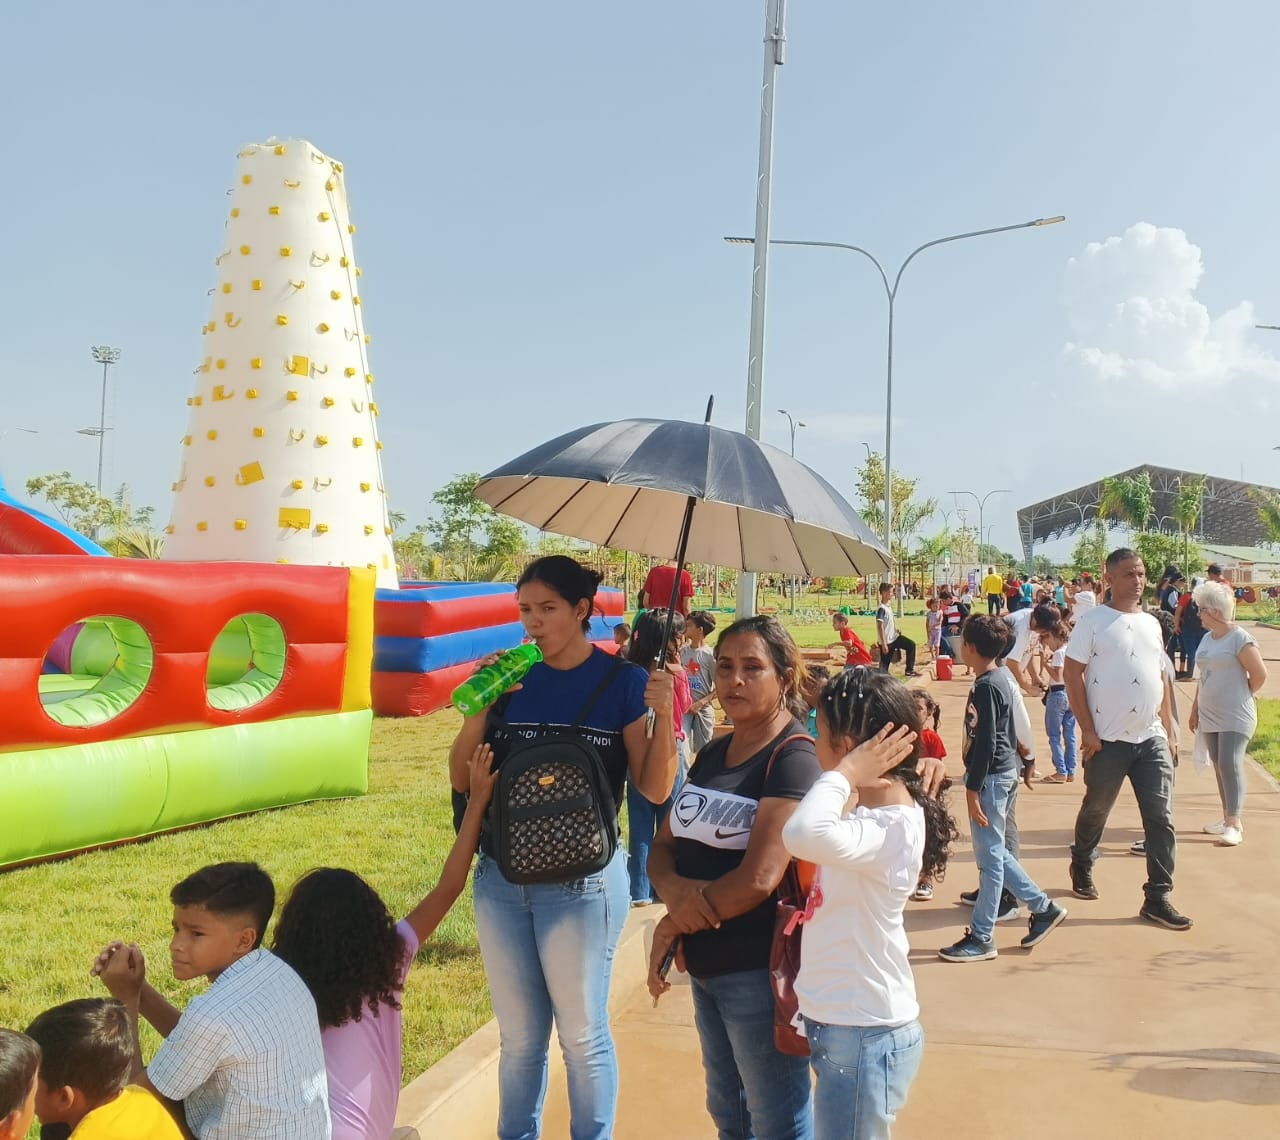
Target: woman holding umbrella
548	947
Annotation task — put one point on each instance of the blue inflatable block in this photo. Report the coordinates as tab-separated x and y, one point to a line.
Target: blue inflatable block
427	654
418	592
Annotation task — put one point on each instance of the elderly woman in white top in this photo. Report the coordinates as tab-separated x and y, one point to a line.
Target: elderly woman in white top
1231	672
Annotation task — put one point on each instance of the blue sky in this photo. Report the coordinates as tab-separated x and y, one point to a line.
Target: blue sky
541	190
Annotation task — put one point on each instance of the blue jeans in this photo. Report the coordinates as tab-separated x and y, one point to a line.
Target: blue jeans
1190	644
997	868
753	1091
1060	724
548	952
862	1077
643	820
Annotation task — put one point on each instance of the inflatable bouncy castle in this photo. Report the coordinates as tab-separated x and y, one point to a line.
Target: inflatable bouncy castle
281	461
430	634
140	697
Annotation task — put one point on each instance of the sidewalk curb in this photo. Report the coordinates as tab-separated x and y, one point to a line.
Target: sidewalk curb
458	1096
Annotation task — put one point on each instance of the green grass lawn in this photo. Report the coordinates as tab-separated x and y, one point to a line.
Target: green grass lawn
55	916
1265	746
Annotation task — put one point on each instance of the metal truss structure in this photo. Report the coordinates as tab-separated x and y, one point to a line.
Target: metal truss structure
1229	514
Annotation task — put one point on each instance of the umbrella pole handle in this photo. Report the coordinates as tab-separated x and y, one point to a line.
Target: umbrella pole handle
650	722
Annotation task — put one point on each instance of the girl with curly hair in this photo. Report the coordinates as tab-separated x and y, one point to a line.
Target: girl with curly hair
340	938
873	829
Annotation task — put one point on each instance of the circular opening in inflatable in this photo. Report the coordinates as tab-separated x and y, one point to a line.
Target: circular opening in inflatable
94	670
245	663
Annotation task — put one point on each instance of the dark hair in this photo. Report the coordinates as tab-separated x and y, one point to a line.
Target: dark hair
934	711
86	1045
19	1064
782	650
646	638
840	616
704	621
858	704
886	587
816	678
568	578
342	941
622	628
1123	554
1214	568
229	889
989	635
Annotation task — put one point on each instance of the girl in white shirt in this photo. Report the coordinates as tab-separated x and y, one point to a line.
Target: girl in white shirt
871	838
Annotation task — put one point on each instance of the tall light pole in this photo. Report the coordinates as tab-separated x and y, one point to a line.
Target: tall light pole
795	423
891	293
106	356
982	502
774	57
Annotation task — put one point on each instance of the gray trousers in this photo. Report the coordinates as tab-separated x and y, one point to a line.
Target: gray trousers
1149	768
1226	750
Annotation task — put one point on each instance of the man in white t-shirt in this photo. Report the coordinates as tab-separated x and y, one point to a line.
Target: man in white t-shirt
1121	699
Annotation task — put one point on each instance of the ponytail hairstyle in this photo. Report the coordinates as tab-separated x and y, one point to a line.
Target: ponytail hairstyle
568	578
858	704
934	713
646	646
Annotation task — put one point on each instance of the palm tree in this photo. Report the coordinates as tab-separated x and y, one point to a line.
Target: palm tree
1268	512
136	542
1128	499
1187	505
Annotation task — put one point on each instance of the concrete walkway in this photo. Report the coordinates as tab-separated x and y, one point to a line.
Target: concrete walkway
1111	1028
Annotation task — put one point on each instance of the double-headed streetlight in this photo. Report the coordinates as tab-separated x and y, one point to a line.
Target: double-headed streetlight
891	293
794	423
982	502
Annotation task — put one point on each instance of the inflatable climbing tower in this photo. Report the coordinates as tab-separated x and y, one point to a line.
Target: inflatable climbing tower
281	461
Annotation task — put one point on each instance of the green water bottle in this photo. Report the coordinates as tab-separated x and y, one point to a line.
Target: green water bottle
477	693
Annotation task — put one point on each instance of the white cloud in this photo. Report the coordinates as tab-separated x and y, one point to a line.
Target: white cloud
1131	302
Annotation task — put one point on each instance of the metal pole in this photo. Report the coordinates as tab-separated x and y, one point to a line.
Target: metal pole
102	423
888	444
774	43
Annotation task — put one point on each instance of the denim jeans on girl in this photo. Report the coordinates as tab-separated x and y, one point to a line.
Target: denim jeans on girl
753	1091
997	866
863	1074
1060	724
548	952
643	820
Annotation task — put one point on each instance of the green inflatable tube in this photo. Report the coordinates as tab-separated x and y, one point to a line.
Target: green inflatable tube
245	665
90	794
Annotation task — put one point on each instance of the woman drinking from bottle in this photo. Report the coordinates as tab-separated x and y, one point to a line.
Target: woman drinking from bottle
548	946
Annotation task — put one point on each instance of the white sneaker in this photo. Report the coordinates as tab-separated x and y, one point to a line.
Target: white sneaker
1214	828
1231	837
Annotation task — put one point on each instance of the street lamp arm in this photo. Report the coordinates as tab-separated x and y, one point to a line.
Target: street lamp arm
871	257
970	234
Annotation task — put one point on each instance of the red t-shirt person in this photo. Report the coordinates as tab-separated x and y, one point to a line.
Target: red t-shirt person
856	652
657	589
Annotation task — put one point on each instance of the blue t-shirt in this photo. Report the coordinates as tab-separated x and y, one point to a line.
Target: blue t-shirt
1028	593
552	699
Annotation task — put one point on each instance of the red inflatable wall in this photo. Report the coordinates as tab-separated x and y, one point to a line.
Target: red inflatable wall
182	608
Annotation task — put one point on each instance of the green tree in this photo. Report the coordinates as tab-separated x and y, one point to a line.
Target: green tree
1268	503
908	512
467	528
1161	550
1129	499
1090	550
77	503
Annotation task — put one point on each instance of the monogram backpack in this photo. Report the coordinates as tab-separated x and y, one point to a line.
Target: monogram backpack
553	817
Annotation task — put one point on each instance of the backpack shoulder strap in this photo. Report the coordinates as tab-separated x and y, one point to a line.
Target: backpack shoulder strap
599	691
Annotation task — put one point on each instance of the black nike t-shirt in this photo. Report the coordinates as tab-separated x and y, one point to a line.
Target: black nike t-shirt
711	820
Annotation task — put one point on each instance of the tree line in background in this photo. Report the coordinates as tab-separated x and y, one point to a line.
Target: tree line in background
467	540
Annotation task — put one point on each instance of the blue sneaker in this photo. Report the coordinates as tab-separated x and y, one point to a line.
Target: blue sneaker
1039	925
970	948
